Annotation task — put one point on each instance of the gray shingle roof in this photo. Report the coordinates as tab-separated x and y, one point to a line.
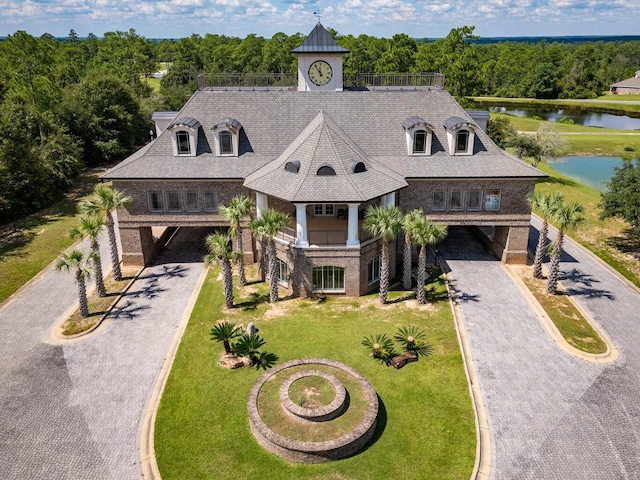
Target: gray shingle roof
323	143
273	120
319	40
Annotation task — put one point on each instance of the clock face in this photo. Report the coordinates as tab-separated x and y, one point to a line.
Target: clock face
320	72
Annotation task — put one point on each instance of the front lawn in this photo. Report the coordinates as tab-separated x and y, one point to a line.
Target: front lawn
426	425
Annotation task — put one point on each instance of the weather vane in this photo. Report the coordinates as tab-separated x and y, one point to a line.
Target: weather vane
318	14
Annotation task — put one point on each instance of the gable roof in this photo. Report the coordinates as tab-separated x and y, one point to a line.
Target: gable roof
323	143
319	41
273	120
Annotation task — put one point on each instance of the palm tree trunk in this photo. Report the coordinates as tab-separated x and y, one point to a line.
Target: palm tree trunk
242	278
115	260
227	282
542	240
82	296
554	269
384	273
406	263
422	275
262	266
273	278
97	265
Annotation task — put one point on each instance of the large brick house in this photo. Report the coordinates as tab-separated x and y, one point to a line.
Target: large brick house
323	152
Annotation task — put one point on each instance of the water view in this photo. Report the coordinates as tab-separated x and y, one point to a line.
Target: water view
580	117
591	171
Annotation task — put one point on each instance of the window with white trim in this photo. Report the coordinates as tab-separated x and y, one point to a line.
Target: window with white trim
462	141
324	209
192	201
209	201
492	200
456	199
155	201
183	142
328	279
173	202
226	143
283	273
373	270
474	199
439	200
420	141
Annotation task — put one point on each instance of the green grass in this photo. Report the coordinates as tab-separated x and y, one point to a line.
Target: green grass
622	98
29	245
426	424
572	325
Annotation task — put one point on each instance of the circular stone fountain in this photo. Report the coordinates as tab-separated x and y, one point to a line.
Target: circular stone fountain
294	446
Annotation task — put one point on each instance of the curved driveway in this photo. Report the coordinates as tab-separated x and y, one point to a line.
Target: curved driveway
74	411
551	415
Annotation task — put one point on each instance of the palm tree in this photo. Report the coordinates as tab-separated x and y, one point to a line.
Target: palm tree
413	339
225	332
220	252
425	233
77	261
272	223
385	223
257	228
239	208
249	346
566	216
380	347
407	222
91	226
546	203
104	200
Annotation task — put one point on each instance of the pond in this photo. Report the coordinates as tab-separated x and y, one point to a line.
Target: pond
580	117
590	171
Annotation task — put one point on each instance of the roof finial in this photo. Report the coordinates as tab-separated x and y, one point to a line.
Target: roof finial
318	14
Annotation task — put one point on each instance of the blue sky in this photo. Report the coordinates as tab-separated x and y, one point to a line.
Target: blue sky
380	18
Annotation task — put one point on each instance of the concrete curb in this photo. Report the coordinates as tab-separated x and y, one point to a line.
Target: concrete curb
482	466
612	353
147	451
56	332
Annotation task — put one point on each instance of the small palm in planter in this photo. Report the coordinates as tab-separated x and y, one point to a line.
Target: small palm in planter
225	332
249	346
414	340
380	347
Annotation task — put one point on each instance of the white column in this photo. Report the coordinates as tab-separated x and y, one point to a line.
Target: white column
301	225
261	203
391	199
352	236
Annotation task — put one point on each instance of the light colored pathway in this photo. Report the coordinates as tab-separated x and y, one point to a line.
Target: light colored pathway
551	415
74	411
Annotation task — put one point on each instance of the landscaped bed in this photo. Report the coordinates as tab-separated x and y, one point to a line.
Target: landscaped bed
426	425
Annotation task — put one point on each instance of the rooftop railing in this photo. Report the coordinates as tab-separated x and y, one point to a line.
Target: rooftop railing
289	81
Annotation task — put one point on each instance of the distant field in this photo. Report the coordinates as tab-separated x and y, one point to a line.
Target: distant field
620	98
601	105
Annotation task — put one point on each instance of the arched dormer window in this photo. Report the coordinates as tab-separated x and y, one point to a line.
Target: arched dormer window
184	136
326	170
358	167
460	135
293	167
419	133
227	135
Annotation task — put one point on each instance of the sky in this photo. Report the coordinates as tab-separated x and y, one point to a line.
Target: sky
379	18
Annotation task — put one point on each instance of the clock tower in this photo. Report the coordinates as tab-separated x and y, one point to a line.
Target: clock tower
319	62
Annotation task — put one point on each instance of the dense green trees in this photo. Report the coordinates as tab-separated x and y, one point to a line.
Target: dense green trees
622	199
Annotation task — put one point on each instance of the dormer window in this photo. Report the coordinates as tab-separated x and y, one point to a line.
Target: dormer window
184	136
293	167
419	133
326	170
358	167
460	135
227	137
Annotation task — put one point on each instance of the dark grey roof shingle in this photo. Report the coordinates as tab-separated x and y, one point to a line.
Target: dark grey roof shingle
319	40
185	122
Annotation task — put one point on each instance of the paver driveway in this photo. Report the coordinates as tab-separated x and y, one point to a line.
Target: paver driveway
74	411
551	415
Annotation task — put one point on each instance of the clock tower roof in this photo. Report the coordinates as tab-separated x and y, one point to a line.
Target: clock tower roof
319	41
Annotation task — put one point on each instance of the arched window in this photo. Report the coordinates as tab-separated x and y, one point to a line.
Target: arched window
419	134
358	167
326	170
293	167
182	138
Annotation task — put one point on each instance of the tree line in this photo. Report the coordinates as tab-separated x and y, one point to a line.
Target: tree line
75	103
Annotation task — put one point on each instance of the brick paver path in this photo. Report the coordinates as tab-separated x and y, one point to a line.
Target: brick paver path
74	411
551	415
